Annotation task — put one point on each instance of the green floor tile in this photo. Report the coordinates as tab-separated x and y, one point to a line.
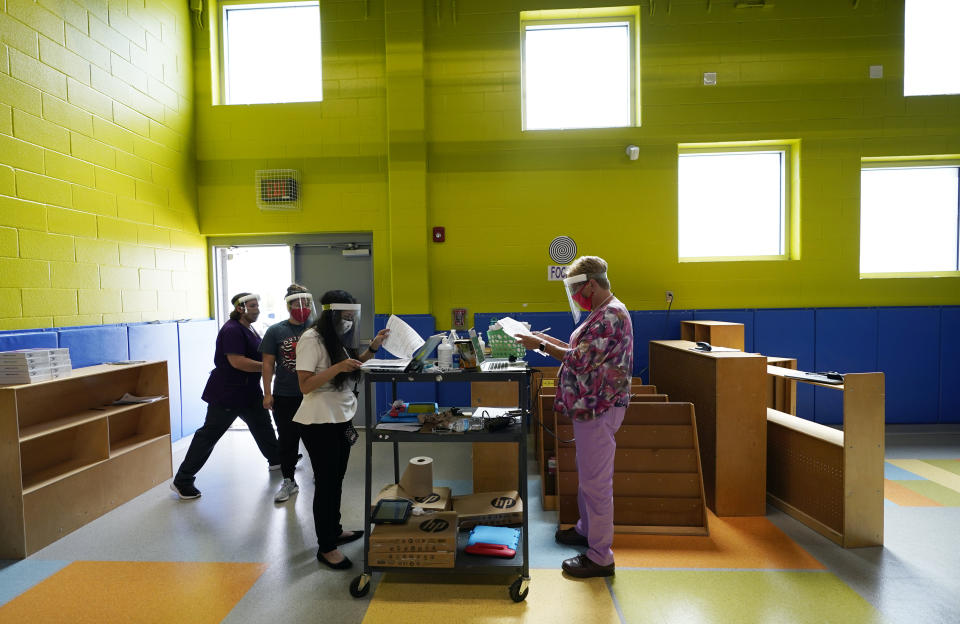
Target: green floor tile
705	597
934	491
951	465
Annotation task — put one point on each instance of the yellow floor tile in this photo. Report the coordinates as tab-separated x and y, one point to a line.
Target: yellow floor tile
405	599
749	542
770	597
108	592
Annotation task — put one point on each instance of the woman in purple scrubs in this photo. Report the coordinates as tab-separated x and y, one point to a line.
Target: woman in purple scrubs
593	390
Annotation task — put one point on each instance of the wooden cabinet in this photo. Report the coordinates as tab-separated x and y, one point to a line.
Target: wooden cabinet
831	480
717	333
729	391
67	456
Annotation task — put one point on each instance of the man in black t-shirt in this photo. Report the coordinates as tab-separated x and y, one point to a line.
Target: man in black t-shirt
283	396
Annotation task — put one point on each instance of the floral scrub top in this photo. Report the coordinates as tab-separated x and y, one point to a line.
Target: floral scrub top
595	373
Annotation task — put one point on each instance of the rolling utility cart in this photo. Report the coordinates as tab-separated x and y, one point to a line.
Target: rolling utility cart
465	563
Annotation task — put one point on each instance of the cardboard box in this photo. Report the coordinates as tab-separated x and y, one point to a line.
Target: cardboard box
435	532
439	500
493	508
414	560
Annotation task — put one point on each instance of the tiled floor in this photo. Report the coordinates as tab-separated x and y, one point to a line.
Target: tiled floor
235	556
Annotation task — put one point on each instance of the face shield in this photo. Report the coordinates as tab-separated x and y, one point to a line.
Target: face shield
250	310
301	307
346	322
579	302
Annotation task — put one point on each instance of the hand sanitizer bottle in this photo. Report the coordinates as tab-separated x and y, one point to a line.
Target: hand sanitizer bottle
445	354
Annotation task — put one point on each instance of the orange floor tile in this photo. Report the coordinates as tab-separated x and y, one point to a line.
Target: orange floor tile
750	543
108	592
905	497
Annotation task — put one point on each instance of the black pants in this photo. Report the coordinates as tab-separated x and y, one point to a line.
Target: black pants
288	432
329	452
217	422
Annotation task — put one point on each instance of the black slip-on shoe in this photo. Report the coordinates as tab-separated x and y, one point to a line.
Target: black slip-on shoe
354	535
570	537
346	564
582	566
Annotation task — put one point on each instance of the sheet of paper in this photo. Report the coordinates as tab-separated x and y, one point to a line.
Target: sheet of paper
513	327
492	412
411	427
128	399
403	340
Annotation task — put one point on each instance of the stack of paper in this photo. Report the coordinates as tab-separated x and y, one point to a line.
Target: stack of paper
29	365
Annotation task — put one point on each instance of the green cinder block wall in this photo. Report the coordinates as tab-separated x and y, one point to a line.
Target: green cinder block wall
420	126
98	212
796	71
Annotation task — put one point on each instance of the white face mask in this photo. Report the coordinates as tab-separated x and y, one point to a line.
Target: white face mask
345	326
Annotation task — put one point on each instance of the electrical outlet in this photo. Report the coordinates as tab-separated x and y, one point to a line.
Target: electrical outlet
669	295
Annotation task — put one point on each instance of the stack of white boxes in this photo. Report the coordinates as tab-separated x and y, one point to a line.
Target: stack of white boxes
31	365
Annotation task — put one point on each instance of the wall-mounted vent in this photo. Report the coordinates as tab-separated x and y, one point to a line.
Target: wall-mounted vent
278	189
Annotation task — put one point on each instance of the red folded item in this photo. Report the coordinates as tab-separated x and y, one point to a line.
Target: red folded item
490	550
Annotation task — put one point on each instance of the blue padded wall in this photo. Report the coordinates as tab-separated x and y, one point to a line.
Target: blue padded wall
731	316
198	341
789	333
653	325
95	345
160	341
423	324
949	365
11	341
908	352
846	341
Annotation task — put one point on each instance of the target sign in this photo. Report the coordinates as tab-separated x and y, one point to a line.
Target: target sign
563	250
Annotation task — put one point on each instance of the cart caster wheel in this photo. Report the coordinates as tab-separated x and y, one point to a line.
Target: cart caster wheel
519	589
360	586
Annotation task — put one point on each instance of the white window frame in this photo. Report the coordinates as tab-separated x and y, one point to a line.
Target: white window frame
224	52
912	163
603	16
788	205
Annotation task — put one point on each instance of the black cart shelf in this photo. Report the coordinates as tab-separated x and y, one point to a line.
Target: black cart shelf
466	564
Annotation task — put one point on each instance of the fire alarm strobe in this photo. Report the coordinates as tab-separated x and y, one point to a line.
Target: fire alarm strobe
439	234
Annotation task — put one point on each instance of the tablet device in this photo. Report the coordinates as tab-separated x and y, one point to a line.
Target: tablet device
391	511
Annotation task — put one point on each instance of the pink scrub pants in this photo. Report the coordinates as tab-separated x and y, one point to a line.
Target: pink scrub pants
596	447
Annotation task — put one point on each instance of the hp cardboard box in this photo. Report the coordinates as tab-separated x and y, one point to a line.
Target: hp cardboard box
431	533
439	500
493	508
414	560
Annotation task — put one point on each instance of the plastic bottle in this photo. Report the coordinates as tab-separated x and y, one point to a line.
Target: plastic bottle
445	354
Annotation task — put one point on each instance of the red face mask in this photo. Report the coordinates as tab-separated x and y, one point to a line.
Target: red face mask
300	315
583	301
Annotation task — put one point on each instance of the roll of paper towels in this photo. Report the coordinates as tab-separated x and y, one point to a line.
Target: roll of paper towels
417	479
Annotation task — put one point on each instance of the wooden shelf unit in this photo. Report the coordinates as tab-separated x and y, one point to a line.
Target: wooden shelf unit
729	391
67	456
657	480
831	479
717	333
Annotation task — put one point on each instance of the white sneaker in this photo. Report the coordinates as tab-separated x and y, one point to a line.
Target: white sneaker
288	488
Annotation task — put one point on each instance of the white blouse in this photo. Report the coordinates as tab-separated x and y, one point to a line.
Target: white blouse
326	404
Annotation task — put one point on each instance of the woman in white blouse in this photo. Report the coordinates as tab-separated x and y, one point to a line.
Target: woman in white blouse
327	366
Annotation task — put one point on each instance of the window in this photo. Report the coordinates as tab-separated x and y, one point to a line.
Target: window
909	217
931	48
579	72
271	52
733	202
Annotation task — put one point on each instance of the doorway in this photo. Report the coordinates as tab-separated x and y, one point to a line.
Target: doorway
266	265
